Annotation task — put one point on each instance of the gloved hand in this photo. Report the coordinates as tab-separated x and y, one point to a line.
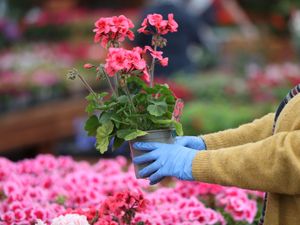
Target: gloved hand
166	160
193	142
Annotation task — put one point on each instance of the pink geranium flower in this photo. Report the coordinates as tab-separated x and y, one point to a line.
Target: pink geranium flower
155	19
113	29
160	25
157	55
173	25
126	61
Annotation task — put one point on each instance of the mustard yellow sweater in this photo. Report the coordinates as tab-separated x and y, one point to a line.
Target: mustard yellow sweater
251	157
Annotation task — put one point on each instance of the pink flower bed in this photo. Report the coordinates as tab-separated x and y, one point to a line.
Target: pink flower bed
273	81
44	188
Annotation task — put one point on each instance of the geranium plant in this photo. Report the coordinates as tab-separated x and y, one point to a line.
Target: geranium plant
135	103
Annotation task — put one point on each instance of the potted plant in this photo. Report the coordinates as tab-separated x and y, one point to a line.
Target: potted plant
136	108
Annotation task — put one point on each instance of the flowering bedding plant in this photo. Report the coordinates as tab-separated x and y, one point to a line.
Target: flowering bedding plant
60	191
135	104
273	81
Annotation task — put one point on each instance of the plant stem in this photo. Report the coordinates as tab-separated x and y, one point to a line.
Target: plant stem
116	79
155	44
89	88
109	82
152	68
129	96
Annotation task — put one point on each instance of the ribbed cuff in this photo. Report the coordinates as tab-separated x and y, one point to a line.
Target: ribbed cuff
214	141
201	167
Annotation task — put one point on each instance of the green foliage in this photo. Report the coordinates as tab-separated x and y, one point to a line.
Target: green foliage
200	117
157	108
103	135
217	87
94	101
130	134
128	116
140	223
61	199
175	124
91	125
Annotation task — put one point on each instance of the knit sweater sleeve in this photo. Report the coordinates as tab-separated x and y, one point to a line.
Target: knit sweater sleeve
271	165
247	133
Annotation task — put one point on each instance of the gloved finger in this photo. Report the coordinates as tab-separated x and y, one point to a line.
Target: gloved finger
180	141
157	181
148	157
146	146
148	170
156	177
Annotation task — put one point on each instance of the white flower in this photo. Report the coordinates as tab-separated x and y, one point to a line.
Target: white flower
39	222
70	219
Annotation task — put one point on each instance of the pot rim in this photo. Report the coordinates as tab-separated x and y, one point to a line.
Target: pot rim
159	130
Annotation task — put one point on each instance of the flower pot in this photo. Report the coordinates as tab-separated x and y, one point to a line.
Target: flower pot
162	136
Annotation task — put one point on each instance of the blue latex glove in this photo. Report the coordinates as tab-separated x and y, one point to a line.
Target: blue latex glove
193	142
166	160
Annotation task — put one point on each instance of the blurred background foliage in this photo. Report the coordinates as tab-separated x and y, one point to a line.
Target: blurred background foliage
243	68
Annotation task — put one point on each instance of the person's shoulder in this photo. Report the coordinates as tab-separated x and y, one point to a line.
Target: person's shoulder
289	118
295	100
293	107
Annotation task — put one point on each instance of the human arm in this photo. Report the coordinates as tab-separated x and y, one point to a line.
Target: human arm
247	133
271	165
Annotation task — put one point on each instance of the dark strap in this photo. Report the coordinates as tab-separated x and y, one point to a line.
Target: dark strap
292	93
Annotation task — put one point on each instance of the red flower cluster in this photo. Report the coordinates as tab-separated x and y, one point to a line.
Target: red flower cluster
128	61
123	205
161	26
113	29
118	209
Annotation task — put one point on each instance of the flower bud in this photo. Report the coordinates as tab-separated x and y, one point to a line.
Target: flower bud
88	66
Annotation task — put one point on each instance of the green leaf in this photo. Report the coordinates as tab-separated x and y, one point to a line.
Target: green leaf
157	109
105	117
140	97
91	125
135	134
118	120
117	143
162	89
90	108
170	99
93	102
90	97
135	84
175	124
178	128
102	136
122	133
102	94
130	134
122	99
